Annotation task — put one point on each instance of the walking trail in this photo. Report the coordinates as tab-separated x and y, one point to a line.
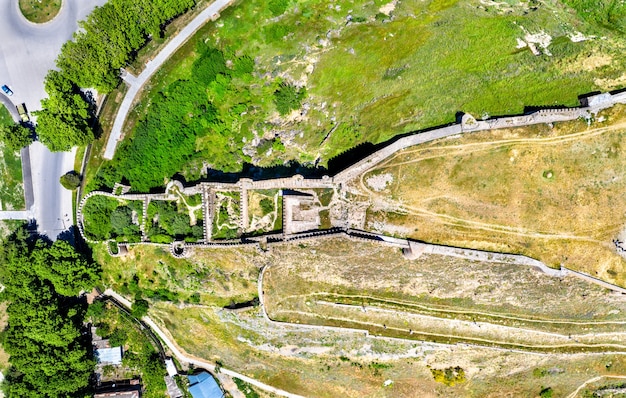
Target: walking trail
136	83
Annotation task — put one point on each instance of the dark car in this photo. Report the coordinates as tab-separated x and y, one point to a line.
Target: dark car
7	90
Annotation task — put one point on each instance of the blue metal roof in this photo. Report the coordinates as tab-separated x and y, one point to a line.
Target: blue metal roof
203	385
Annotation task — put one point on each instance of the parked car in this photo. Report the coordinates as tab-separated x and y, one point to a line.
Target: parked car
7	90
21	109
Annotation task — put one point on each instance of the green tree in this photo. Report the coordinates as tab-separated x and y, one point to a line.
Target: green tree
288	97
546	392
140	308
64	121
16	136
121	219
70	180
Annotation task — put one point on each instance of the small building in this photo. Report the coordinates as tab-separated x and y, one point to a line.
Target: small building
170	367
203	385
109	356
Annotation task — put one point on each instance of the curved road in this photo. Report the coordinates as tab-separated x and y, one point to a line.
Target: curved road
27	52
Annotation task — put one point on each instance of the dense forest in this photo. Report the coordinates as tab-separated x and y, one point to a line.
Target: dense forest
49	353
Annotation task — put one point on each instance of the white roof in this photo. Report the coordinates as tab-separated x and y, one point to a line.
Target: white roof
109	356
170	367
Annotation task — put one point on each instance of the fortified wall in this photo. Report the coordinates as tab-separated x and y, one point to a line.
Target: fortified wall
590	105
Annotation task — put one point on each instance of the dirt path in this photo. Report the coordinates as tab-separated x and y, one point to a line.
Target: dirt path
182	356
476	340
593	380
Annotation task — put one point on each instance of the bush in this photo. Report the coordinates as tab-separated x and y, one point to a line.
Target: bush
546	392
140	308
449	376
70	180
267	205
288	97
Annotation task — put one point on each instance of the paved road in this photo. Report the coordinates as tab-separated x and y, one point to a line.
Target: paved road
27	52
135	83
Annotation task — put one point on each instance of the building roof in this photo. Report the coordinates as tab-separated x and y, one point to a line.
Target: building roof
203	385
123	394
109	356
170	367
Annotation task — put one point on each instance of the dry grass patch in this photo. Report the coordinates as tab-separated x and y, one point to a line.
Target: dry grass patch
555	194
217	277
409	297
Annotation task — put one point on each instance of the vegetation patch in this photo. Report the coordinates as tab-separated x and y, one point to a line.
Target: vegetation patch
264	210
45	333
355	80
11	184
170	220
110	218
227	219
39	11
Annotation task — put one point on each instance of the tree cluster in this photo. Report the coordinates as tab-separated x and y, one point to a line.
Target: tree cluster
16	136
66	117
107	218
107	41
188	121
171	223
49	353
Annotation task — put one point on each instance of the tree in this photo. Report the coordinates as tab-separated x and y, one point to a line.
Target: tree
65	119
16	136
288	97
140	308
70	180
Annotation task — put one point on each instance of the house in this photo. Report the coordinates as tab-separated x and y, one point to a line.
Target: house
203	385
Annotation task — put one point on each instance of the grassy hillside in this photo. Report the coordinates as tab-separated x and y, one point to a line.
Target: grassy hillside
369	70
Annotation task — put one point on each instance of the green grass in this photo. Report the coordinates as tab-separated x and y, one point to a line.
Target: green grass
5	117
385	76
11	185
40	11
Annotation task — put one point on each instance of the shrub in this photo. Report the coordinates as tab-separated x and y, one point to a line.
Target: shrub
140	308
70	180
267	205
288	97
449	376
